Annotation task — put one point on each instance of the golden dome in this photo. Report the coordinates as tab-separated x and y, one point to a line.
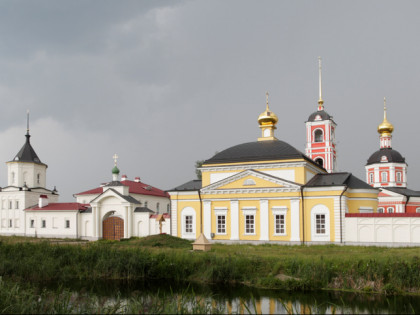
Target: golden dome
385	128
267	117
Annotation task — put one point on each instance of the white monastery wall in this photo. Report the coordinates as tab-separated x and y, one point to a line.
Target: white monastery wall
62	224
386	231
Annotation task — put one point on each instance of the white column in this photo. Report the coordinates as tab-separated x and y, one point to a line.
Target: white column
174	217
295	220
207	218
129	222
94	224
234	220
126	223
264	226
392	175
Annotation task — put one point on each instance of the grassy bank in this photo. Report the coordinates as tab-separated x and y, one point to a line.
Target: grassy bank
368	269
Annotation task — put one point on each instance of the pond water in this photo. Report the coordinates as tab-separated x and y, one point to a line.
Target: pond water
243	299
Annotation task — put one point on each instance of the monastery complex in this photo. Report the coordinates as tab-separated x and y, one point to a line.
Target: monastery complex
255	192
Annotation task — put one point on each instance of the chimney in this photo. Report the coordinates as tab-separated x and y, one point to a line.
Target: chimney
137	179
123	178
43	201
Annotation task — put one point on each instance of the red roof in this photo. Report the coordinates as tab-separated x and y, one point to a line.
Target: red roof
382	215
61	206
134	188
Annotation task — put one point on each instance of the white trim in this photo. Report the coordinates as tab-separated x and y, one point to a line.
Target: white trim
320	209
295	220
234	220
186	212
207	218
279	211
264	220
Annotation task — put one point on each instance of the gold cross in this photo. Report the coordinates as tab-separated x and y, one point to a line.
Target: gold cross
115	157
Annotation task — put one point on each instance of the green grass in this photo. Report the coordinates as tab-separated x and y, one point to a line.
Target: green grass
365	269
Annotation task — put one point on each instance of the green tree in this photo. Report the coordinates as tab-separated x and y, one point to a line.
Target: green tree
198	164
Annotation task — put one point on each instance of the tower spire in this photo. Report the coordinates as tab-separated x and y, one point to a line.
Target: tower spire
267	121
385	130
266	100
320	101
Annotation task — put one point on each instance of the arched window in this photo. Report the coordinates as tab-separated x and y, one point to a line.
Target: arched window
145	204
319	161
157	207
318	135
399	177
38	178
249	182
390	210
371	178
380	210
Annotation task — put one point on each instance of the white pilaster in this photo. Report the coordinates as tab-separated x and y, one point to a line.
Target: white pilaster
126	223
207	218
295	220
234	220
264	225
129	223
174	217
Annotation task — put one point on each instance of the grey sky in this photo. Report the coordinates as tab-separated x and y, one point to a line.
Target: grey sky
164	84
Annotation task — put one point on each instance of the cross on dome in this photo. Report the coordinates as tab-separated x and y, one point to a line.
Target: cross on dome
115	157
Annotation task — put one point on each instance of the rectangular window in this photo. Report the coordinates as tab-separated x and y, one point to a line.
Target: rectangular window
67	224
384	177
320	223
371	178
32	224
221	224
399	177
17	204
43	224
249	224
10	205
188	224
280	226
418	210
10	223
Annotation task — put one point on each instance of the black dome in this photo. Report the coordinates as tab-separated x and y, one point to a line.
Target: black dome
322	113
392	156
257	151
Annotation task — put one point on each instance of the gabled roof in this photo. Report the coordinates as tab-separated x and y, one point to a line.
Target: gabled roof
133	188
130	199
60	206
338	179
27	153
194	184
403	191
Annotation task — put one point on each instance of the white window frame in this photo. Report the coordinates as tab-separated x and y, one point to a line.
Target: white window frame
32	223
390	208
219	213
43	223
67	223
371	177
10	223
384	177
279	211
418	210
250	211
398	176
381	210
320	210
188	211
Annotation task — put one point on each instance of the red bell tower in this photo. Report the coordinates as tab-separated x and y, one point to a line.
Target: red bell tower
320	135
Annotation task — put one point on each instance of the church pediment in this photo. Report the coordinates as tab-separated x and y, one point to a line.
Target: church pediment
111	193
250	180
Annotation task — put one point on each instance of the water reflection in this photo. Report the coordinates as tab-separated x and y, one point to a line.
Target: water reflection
245	300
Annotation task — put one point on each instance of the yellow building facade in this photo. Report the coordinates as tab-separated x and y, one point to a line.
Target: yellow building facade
268	191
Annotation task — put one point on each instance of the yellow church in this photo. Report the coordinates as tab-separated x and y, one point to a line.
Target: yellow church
268	191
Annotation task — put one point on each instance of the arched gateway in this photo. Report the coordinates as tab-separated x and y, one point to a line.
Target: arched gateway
113	228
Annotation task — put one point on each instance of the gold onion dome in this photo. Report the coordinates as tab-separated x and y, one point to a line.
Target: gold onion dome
385	128
267	117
